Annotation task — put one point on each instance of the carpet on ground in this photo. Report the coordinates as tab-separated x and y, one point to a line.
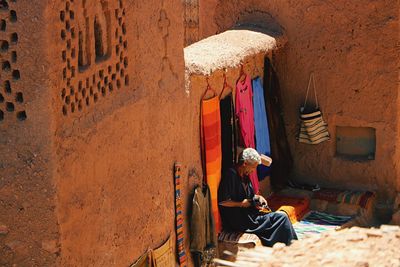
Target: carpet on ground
317	222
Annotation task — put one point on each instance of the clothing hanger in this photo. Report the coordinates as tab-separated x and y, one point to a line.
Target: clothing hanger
255	68
208	89
199	182
241	81
312	78
242	74
225	86
204	187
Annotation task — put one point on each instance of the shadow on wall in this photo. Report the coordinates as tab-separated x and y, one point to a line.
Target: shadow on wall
244	18
259	21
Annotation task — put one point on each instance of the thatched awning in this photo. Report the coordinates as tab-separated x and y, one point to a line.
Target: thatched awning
229	49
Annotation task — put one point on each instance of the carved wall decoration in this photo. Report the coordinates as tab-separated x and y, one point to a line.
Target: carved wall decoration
168	76
95	52
191	21
11	95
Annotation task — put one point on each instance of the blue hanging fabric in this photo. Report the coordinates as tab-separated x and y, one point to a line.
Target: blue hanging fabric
263	145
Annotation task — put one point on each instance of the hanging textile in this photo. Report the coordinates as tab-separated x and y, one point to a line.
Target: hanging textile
280	150
159	257
313	128
203	239
144	261
164	255
180	242
228	129
211	149
245	113
263	144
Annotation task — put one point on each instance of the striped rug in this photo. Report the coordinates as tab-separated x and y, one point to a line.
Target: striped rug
318	222
212	149
362	198
180	241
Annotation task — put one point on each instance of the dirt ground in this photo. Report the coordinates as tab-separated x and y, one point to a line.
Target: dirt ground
355	247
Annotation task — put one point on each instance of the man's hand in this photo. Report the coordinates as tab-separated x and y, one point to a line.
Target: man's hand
261	201
246	203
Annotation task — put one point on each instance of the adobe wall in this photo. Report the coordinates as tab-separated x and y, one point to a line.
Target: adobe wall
92	121
28	224
120	114
351	47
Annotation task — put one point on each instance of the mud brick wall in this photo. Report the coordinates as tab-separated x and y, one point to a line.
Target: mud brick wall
118	103
92	118
352	46
28	223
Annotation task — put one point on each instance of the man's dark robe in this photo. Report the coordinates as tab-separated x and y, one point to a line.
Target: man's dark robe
270	228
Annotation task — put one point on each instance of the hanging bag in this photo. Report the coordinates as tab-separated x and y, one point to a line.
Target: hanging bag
313	129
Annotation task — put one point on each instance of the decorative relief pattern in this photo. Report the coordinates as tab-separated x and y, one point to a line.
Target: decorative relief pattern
191	21
168	76
95	52
11	97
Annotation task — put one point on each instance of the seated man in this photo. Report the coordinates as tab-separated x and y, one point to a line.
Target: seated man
242	210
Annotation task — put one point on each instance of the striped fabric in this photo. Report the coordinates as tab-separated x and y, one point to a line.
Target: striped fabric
318	222
238	238
327	219
313	129
362	198
164	255
294	207
213	155
180	242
